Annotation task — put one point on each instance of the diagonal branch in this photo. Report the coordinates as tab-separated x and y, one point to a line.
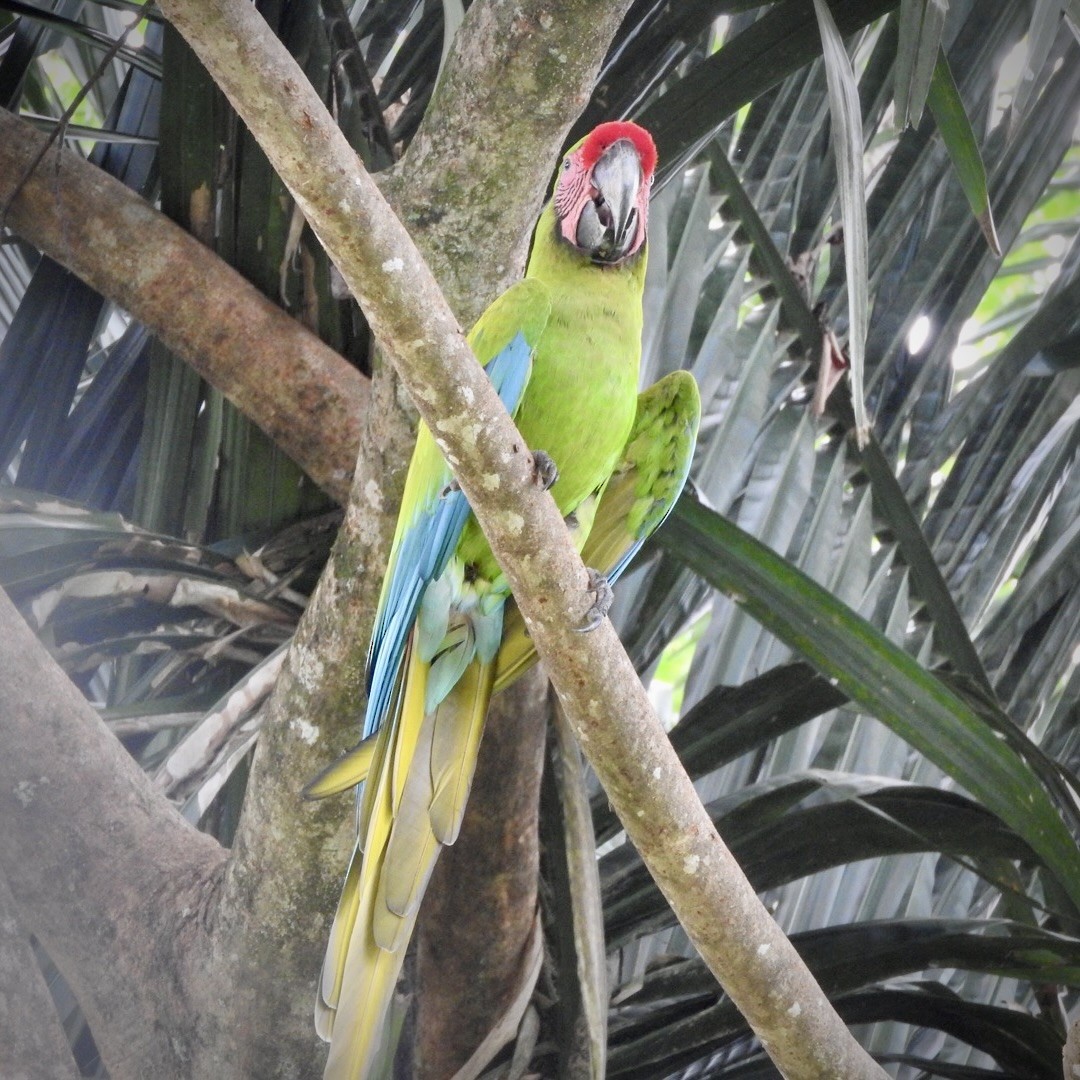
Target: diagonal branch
289	855
604	701
298	390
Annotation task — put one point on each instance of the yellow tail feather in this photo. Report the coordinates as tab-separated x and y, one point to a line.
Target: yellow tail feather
336	949
459	724
411	851
358	977
345	773
365	1000
421	769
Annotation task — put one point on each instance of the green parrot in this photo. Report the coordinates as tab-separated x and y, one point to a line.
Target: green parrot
562	348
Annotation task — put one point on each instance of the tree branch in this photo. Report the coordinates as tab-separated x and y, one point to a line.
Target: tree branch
298	390
105	873
1070	1054
604	701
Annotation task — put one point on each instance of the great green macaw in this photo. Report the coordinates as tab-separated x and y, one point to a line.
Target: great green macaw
563	348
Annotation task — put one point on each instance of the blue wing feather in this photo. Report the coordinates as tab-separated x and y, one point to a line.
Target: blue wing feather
426	545
616	571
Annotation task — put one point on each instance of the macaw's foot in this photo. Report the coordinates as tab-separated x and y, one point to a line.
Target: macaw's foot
603	596
545	471
451	487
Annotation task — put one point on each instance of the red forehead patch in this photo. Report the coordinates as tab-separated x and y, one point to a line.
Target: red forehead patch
604	135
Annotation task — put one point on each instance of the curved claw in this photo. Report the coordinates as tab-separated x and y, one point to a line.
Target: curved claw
603	597
545	471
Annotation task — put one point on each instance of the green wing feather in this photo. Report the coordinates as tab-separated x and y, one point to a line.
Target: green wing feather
641	493
523	309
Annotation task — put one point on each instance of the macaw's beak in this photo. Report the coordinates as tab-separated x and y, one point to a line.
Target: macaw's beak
608	225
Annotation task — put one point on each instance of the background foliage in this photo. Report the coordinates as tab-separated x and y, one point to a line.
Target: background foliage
868	655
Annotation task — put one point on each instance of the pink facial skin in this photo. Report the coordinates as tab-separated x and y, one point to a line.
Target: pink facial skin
579	189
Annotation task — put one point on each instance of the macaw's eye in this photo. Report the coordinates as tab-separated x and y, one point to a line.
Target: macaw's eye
566	164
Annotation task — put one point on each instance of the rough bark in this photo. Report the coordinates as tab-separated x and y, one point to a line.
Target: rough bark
604	701
478	916
298	390
34	1043
94	857
1070	1054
